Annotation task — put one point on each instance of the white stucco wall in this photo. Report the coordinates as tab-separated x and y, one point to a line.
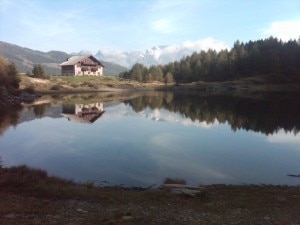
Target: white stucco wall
79	107
78	72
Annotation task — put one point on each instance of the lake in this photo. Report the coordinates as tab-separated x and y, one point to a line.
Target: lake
141	138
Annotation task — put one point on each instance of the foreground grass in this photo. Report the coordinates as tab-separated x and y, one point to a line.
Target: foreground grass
30	196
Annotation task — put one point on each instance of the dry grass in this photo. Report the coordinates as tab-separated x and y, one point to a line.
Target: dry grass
110	83
30	196
81	83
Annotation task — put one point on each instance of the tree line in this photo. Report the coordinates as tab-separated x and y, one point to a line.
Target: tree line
142	73
270	57
265	113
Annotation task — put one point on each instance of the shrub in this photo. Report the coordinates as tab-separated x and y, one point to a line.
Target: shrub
74	85
169	180
56	87
89	84
38	72
30	89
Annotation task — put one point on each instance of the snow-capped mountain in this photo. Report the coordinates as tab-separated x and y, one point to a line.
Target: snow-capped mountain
159	54
82	52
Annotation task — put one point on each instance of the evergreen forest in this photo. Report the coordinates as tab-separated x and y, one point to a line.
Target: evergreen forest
271	58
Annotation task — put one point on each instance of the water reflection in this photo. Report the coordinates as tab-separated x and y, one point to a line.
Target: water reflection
154	135
9	116
266	113
82	113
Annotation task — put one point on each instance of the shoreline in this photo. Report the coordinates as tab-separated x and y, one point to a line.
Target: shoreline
60	85
31	196
206	88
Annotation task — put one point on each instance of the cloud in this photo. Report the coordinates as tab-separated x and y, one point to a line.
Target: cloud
285	30
171	17
205	44
163	25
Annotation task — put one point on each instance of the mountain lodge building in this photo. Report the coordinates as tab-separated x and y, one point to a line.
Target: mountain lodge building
83	113
82	65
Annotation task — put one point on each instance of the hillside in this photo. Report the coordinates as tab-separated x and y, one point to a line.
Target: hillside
112	69
25	58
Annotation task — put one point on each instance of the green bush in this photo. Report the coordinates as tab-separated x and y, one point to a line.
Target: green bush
38	72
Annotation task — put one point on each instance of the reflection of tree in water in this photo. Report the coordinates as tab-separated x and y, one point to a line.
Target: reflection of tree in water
153	101
9	116
266	113
40	110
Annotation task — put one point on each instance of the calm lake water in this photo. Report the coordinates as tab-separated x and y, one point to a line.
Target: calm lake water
139	139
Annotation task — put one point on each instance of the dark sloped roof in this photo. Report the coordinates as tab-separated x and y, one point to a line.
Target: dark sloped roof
75	59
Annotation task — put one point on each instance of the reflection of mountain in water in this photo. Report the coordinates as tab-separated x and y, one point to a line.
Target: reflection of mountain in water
82	113
266	113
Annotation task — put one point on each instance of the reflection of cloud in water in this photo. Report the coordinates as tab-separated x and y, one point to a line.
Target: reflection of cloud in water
61	141
118	111
165	141
167	156
284	137
167	116
157	115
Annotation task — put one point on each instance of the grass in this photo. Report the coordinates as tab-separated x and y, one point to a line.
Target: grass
80	79
112	83
57	84
37	183
32	196
23	178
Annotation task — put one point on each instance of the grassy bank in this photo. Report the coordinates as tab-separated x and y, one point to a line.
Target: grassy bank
30	196
72	84
80	84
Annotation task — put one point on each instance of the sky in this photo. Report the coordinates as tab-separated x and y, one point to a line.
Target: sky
129	25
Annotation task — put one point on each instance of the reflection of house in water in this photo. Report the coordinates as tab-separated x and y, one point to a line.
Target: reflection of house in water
82	113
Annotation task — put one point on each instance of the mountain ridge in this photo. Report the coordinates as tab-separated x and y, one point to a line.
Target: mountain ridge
25	58
161	54
114	61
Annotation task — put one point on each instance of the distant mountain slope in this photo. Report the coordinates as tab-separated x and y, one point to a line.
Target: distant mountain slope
25	58
112	69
